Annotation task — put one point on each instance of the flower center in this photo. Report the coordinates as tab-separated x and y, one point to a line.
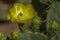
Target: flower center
21	14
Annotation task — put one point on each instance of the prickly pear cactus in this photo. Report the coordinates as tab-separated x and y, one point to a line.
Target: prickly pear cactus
30	36
53	22
38	36
14	35
22	14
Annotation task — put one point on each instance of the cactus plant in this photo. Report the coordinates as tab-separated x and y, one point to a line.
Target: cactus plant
30	36
23	18
15	35
22	13
53	21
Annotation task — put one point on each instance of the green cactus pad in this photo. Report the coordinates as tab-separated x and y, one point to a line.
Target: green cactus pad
32	36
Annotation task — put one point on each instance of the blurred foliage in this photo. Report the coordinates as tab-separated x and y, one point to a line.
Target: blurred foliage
53	15
3	36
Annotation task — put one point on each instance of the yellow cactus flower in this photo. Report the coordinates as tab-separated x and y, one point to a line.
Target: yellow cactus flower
21	13
15	34
55	25
37	20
